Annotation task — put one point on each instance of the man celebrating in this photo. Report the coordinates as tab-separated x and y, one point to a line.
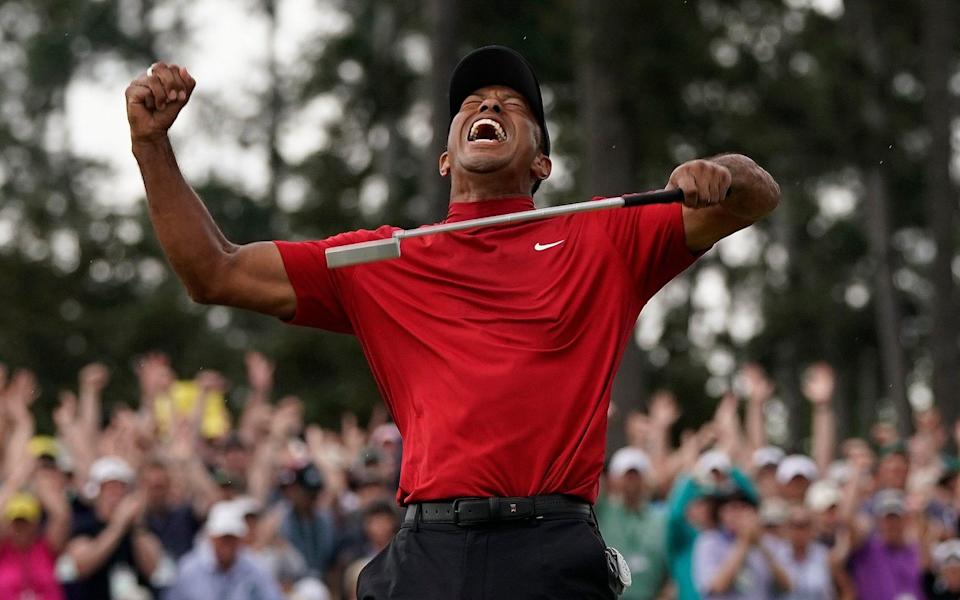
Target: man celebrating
494	348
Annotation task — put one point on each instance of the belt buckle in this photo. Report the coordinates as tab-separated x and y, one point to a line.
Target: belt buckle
515	508
468	511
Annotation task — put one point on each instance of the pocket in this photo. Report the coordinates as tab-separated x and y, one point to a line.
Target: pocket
575	557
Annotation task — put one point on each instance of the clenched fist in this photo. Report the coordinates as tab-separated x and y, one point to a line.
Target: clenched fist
155	99
704	182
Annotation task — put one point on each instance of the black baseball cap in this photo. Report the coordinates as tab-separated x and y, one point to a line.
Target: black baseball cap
498	65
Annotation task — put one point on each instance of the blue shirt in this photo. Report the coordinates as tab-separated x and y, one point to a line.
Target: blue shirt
711	552
200	578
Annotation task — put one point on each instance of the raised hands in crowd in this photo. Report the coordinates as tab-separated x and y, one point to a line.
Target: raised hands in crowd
125	502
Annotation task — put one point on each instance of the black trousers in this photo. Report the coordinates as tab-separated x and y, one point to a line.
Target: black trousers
548	559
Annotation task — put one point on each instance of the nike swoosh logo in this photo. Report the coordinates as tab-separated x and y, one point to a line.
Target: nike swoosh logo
541	247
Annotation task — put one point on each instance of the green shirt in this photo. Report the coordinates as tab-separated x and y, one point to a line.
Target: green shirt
641	536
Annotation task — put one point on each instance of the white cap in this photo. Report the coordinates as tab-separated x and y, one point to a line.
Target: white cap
225	519
768	456
947	551
839	471
629	459
822	495
309	588
711	461
796	465
111	468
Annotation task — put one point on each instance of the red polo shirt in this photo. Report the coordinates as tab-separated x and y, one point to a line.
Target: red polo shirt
495	348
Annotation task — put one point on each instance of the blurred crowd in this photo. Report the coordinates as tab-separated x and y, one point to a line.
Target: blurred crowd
727	515
179	498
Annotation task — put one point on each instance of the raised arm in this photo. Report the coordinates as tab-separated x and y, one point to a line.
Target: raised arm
818	387
709	213
214	270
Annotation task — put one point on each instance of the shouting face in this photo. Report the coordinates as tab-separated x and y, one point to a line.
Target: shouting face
494	134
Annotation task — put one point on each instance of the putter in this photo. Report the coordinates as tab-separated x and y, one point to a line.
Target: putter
387	248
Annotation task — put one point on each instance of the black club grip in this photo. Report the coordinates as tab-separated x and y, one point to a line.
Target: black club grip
657	197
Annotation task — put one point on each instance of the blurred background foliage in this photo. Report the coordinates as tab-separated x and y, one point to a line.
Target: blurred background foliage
850	104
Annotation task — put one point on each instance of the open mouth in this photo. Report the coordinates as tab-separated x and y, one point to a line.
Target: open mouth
487	131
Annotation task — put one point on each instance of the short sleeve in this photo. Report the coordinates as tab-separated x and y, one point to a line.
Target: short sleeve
320	302
652	242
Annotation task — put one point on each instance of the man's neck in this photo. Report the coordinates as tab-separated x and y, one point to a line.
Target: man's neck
489	187
482	198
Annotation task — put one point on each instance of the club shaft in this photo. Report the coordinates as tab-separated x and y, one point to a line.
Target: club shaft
656	197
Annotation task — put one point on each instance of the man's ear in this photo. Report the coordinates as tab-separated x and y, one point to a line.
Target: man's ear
444	164
541	167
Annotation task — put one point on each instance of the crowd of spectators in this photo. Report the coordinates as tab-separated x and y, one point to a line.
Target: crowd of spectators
176	498
727	515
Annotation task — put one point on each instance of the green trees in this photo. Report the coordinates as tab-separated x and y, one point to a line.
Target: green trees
342	112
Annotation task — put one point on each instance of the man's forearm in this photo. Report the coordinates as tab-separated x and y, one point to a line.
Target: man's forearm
723	580
90	554
191	240
753	192
824	435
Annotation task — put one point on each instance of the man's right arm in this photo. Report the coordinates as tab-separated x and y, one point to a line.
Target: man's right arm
214	270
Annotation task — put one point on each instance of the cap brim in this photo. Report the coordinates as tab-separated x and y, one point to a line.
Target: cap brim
498	65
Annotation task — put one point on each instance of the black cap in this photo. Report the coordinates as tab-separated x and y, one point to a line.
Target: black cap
498	65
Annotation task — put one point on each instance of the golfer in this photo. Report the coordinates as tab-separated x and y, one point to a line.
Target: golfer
494	348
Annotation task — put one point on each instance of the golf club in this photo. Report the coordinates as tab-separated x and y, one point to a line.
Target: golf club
386	248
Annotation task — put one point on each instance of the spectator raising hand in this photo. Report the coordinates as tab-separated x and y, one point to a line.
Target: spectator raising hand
819	383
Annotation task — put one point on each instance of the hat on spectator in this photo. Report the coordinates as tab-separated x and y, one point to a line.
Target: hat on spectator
730	492
309	588
629	459
889	502
711	461
43	446
22	506
897	447
822	495
796	465
225	519
839	471
768	456
948	551
108	468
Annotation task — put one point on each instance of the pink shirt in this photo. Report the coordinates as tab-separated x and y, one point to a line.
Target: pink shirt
30	570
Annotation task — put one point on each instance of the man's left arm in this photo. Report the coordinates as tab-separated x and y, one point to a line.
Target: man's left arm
722	195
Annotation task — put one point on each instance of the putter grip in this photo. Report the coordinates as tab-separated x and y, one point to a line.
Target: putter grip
657	197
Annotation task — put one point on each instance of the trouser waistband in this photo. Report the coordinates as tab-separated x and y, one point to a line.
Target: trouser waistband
473	511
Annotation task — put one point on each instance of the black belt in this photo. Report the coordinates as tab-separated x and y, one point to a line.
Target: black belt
471	511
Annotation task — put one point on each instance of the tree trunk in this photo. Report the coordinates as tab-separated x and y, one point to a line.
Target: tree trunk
860	17
274	105
442	18
941	203
606	167
886	308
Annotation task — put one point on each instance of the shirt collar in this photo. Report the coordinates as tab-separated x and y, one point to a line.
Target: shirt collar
461	211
